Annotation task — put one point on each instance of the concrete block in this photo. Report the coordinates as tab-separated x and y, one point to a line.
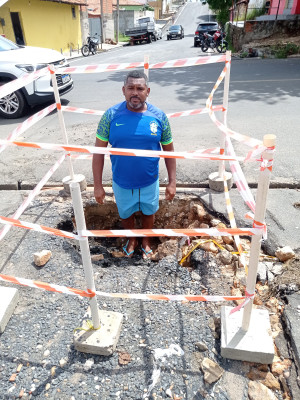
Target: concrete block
8	301
79	178
255	345
217	183
102	341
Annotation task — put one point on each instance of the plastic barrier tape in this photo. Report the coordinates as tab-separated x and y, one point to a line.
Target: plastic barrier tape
28	124
132	232
122	152
172	115
32	194
184	62
23	81
135	296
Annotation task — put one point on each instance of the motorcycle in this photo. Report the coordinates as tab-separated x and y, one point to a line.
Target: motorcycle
215	41
91	46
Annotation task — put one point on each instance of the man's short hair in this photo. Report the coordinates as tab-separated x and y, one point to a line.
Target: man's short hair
136	75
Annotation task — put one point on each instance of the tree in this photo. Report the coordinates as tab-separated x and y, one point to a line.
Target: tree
221	8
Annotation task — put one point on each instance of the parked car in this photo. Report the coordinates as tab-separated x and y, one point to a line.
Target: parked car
16	61
175	31
209	27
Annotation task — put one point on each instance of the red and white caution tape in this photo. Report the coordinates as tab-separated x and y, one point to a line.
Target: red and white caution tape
82	110
21	128
251	142
198	111
248	297
32	194
171	115
170	232
46	286
121	152
239	177
184	62
37	228
135	296
16	84
214	150
131	232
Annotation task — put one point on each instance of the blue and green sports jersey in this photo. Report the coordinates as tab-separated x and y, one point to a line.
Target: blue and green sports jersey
126	129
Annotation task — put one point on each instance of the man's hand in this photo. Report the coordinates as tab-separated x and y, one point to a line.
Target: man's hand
170	191
99	194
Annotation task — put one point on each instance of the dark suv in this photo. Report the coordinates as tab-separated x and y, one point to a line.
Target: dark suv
210	27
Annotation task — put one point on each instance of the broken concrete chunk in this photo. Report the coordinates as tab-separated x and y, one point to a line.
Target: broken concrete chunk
209	246
262	272
98	257
257	391
201	346
42	257
212	371
276	268
225	257
284	253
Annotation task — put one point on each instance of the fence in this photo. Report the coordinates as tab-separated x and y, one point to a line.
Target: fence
225	152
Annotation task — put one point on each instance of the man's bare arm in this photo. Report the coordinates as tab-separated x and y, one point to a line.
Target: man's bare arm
171	168
98	164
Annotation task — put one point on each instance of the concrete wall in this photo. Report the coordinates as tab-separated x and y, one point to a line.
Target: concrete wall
255	30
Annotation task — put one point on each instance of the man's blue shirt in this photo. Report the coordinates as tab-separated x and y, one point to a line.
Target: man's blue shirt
123	128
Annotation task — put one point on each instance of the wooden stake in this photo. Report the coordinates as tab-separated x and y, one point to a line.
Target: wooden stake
259	217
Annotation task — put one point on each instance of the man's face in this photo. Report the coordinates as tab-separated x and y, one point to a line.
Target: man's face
136	93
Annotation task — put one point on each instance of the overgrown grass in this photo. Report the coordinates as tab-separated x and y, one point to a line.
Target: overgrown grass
251	14
123	38
255	12
283	51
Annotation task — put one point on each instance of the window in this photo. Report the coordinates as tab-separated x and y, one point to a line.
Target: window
73	12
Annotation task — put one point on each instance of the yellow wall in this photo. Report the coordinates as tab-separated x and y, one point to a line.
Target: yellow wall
45	23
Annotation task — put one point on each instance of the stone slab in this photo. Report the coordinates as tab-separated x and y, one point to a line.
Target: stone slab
255	345
102	341
291	315
8	301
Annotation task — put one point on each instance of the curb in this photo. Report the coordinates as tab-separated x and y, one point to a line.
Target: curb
75	57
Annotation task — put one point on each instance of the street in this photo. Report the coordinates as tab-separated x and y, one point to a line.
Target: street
263	99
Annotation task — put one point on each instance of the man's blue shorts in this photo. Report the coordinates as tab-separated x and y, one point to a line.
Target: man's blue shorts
130	201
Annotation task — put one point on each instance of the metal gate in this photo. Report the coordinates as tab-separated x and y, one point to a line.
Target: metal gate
95	26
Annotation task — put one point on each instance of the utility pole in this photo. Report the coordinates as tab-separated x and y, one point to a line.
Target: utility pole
101	22
117	30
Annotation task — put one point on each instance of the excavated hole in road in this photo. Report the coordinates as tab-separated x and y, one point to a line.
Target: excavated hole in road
185	212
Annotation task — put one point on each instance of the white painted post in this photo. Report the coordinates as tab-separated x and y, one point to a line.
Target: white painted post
225	104
259	218
85	250
146	66
60	117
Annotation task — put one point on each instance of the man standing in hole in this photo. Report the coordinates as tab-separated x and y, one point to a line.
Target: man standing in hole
135	124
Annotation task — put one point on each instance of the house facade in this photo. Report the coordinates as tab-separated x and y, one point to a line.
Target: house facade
284	7
94	15
55	24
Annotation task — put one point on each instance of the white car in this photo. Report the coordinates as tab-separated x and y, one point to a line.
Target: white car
16	61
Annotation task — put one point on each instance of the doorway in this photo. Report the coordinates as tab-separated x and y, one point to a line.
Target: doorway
15	19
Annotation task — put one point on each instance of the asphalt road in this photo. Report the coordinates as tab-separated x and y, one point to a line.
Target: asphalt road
263	98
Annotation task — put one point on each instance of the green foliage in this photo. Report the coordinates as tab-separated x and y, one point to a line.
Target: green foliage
146	7
221	8
256	12
123	38
283	51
